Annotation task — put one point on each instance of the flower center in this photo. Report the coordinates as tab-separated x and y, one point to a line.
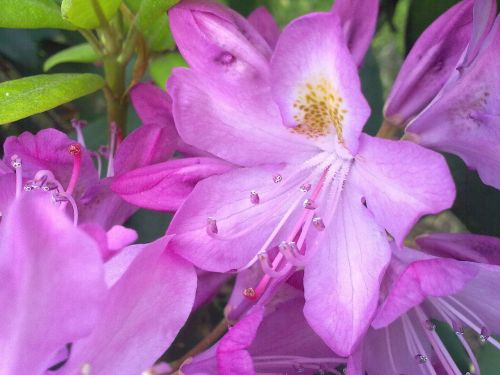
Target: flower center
318	107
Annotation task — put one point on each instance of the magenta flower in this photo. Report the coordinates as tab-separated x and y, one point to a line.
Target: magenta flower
292	120
425	289
118	316
462	101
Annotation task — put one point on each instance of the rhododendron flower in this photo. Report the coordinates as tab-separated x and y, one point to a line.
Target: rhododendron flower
425	289
292	120
463	101
118	316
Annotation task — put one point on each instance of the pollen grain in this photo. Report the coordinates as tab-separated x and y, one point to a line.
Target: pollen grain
319	107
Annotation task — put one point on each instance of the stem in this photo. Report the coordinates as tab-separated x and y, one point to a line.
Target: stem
204	344
116	98
92	40
389	130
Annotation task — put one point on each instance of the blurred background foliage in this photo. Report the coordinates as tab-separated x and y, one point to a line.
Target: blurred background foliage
23	53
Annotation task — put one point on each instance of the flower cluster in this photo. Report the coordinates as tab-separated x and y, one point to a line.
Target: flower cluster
258	148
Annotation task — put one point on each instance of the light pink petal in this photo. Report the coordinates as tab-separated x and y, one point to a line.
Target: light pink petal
421	279
485	12
342	279
118	237
218	41
464	119
243	227
401	182
48	150
144	311
263	21
146	145
52	285
152	104
165	186
232	355
358	19
462	246
241	125
430	63
316	83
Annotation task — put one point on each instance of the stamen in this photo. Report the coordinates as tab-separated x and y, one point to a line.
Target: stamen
444	356
466	320
212	226
98	159
64	198
305	187
76	151
309	204
249	293
254	197
271	269
112	147
318	223
78	125
421	358
417	345
291	252
18	166
389	347
485	335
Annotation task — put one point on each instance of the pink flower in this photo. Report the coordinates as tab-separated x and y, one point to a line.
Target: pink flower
447	90
425	289
308	178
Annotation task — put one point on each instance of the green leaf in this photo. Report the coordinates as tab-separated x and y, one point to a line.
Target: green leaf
161	67
82	53
26	96
159	37
150	11
133	5
32	14
82	14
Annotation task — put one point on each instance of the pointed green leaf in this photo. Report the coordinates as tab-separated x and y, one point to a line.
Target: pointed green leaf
161	67
26	96
158	36
82	53
32	14
150	11
82	14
